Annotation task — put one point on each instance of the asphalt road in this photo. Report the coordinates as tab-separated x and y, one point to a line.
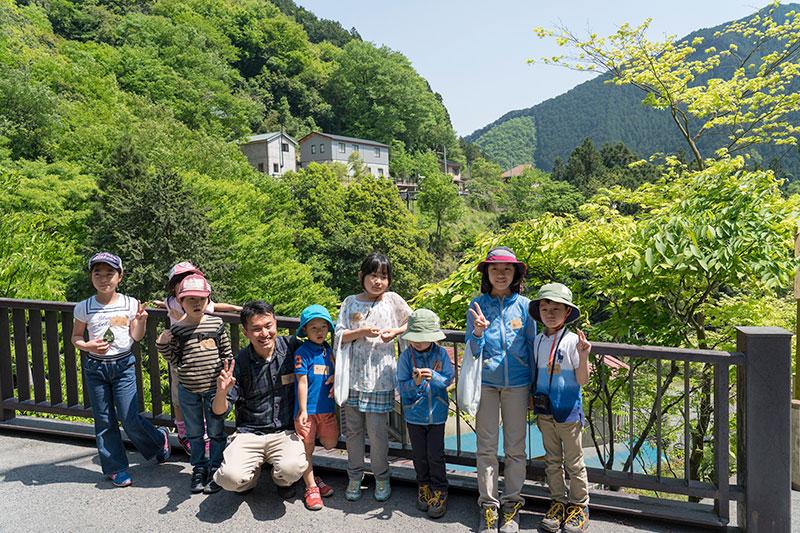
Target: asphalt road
55	484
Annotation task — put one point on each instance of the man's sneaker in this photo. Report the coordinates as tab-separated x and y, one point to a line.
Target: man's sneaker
437	505
353	490
121	479
199	480
423	495
184	442
382	490
212	485
312	499
288	492
488	519
163	455
554	518
325	490
509	522
577	519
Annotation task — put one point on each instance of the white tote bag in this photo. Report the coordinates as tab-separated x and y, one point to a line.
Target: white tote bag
341	378
469	382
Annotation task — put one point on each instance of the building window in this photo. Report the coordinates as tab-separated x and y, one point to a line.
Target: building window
355	148
285	147
377	152
455	171
341	148
261	167
275	168
380	172
313	148
322	148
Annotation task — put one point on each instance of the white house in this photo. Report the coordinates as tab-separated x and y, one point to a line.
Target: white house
272	153
325	148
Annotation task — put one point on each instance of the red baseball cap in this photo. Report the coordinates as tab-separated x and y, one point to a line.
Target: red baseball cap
194	285
182	268
501	254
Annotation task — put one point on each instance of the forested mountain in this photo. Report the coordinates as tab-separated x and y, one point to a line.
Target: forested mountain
607	113
118	130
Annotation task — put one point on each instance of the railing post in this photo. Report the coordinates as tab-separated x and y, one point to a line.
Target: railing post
764	428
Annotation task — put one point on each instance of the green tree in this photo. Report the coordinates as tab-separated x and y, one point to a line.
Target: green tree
438	198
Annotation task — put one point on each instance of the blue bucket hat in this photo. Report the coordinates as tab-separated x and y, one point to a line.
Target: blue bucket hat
310	313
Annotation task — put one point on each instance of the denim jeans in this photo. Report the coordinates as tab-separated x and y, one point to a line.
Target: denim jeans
112	390
195	406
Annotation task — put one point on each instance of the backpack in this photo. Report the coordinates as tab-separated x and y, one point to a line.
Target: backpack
183	339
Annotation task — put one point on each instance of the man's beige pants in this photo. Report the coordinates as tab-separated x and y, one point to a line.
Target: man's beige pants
562	450
246	452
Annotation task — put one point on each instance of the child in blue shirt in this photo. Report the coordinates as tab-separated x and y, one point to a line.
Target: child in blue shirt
562	367
424	372
314	405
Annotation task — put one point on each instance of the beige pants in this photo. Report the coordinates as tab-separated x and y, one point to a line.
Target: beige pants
512	404
562	447
246	452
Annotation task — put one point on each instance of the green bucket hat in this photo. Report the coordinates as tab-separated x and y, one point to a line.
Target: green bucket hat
423	326
555	292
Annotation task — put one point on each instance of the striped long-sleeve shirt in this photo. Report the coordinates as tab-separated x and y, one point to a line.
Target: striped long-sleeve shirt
200	362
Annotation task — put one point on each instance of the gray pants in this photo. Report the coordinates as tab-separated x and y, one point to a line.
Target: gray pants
377	426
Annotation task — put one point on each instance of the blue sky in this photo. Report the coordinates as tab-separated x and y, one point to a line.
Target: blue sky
474	53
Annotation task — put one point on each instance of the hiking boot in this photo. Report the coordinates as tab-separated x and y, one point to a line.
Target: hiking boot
121	479
437	505
353	491
288	492
163	455
423	495
554	518
509	522
312	499
488	519
577	520
325	490
382	490
199	480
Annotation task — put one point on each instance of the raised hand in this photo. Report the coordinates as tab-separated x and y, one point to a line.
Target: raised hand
225	380
141	312
584	346
480	323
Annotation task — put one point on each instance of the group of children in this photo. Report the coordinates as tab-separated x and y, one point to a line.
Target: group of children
517	364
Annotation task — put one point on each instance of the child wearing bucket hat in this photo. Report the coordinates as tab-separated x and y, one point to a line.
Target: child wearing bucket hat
562	367
424	372
499	333
314	406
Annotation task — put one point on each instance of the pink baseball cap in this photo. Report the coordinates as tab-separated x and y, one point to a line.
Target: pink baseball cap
194	285
182	268
502	254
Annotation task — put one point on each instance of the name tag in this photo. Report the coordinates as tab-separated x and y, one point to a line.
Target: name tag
208	344
515	323
355	317
119	321
556	370
321	370
287	378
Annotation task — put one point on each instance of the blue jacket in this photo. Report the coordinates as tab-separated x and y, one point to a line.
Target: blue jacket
507	342
427	403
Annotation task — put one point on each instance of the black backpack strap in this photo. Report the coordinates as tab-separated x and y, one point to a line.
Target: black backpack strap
183	339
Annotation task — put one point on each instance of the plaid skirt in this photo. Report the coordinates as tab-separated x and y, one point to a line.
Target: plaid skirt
371	402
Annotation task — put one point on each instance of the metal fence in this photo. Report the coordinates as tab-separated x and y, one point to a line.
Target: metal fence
652	413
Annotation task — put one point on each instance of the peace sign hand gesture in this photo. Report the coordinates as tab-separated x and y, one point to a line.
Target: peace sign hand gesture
225	380
584	346
480	323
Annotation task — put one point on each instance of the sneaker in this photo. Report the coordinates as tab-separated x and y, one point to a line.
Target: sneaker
121	479
554	518
488	519
163	455
288	492
437	505
423	495
577	519
510	520
382	490
212	486
353	491
312	499
325	490
199	480
184	442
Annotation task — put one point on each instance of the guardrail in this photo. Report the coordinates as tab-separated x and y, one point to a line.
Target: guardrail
41	374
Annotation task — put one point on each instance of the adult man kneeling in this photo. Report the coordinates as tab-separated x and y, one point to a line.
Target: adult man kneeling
260	383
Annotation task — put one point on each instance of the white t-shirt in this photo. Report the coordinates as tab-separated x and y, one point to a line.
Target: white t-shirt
116	315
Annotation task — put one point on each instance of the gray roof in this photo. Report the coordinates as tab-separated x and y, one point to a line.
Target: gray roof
344	139
267	137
